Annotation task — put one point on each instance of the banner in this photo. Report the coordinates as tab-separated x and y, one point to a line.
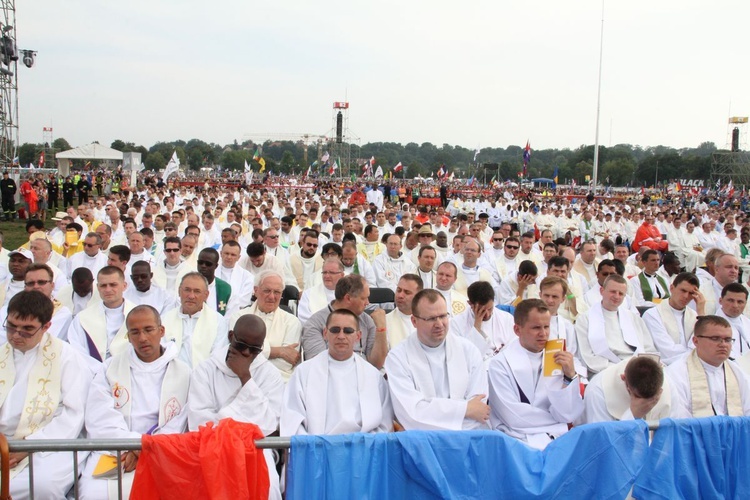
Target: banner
172	167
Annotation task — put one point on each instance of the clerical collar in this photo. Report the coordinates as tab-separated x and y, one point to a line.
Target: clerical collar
469	268
649	275
184	315
107	308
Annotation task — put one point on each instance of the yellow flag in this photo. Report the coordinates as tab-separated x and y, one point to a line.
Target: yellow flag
262	165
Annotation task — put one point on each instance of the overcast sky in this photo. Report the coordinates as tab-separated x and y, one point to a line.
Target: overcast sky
489	73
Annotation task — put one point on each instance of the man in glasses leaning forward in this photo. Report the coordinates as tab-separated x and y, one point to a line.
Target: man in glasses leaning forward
238	382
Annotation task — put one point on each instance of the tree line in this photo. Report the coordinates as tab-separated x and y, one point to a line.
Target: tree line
619	165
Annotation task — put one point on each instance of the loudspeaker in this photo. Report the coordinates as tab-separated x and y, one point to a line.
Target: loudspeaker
339	127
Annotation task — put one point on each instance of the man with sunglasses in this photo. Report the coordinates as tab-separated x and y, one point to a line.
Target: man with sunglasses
704	381
437	381
45	381
238	382
169	272
142	390
306	262
91	257
337	393
219	291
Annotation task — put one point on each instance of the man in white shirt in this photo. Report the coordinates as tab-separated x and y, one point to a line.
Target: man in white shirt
240	279
649	287
80	293
357	264
508	262
553	291
445	278
607	332
99	330
704	381
283	330
169	272
526	403
142	390
427	258
470	271
220	294
91	257
238	382
731	306
672	322
197	329
18	263
319	296
633	388
339	393
390	266
44	384
585	264
398	322
306	262
726	271
488	328
437	381
145	291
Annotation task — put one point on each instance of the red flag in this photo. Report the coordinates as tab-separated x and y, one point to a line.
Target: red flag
398	168
41	159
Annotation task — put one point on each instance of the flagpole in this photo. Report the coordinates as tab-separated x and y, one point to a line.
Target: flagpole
598	103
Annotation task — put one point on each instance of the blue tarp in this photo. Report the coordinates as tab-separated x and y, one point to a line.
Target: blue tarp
593	461
698	458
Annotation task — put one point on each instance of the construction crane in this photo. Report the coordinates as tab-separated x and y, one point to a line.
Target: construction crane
305	138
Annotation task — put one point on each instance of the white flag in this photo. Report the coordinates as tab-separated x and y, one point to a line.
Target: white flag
325	157
476	153
247	167
379	172
172	167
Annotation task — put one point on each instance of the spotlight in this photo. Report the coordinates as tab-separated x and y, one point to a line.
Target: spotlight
28	58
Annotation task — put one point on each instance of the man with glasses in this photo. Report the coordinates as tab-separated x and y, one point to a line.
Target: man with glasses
306	262
145	292
238	382
169	272
43	396
39	277
437	381
508	263
352	293
197	329
283	330
337	393
91	257
704	382
142	390
105	233
319	296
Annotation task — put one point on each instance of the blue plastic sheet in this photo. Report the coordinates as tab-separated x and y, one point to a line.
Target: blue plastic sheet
593	461
698	458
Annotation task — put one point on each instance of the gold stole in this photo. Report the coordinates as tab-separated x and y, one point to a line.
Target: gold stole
670	322
43	389
700	395
174	387
204	333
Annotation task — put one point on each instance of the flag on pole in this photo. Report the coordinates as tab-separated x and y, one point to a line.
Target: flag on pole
262	163
450	177
247	167
41	160
526	157
372	161
476	153
334	165
249	177
256	155
15	162
441	172
471	180
554	178
307	174
379	172
398	167
325	157
172	166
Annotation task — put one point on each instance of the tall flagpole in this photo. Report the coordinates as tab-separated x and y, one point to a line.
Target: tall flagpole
598	104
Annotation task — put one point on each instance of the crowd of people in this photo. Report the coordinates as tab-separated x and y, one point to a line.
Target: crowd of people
337	308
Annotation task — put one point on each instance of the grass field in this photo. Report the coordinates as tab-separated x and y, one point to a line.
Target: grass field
14	232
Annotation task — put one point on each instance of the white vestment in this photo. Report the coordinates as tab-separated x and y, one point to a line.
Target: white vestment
682	401
389	270
606	337
155	296
430	387
527	405
497	332
740	333
196	336
81	259
607	398
325	396
217	393
75	302
282	329
242	282
313	300
398	327
53	378
671	330
103	327
128	398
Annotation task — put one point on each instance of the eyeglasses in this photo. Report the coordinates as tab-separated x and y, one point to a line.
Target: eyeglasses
170	250
313	245
337	329
497	239
434	319
330	273
511	247
273	237
37	283
90	245
12	330
242	347
717	340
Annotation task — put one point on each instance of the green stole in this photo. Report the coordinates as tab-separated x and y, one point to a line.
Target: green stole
223	292
648	294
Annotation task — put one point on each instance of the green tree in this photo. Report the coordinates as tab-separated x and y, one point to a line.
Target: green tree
61	144
118	145
155	161
27	153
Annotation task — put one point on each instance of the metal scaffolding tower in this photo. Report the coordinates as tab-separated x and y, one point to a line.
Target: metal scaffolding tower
8	84
342	140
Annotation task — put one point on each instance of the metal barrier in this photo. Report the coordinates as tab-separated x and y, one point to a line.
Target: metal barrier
78	445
